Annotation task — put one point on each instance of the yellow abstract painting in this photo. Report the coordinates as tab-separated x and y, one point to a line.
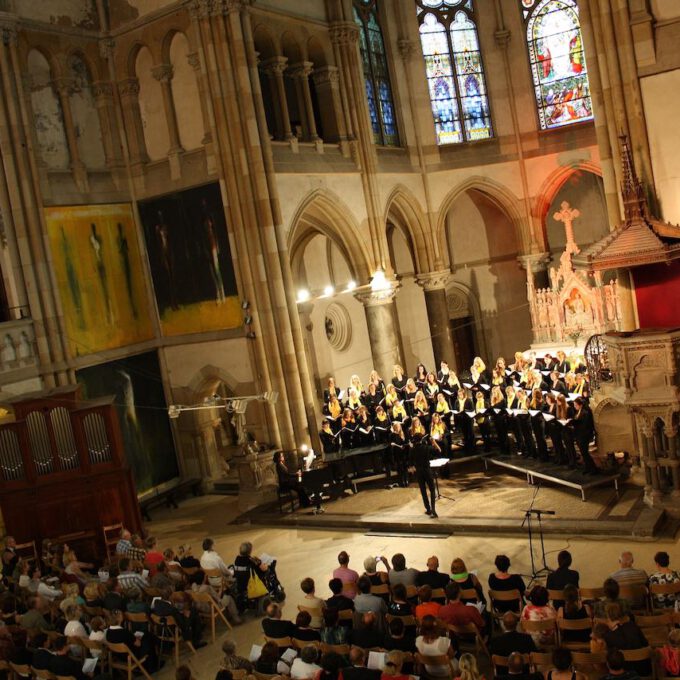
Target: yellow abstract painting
98	267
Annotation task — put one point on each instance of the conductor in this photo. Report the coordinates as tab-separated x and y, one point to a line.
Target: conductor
423	453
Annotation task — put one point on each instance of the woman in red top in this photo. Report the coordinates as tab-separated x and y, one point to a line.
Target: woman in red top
153	556
426	606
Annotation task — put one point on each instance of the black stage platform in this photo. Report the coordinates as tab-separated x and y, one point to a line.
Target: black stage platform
556	474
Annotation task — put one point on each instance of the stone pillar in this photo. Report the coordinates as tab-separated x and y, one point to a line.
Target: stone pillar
301	72
64	88
327	84
383	328
275	68
626	300
103	99
434	286
537	265
132	116
671	433
163	74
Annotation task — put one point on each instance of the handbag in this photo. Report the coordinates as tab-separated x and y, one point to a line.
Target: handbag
256	587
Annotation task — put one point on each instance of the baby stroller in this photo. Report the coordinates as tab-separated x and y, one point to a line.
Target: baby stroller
275	591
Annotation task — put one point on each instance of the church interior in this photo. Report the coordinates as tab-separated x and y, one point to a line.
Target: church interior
217	216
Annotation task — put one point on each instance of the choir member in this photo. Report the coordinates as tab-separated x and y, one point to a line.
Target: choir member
443	372
549	362
499	417
375	379
355	384
330	441
584	431
354	399
538	423
348	429
331	391
564	416
443	408
381	425
391	396
576	364
557	384
372	399
431	387
421	408
399	453
364	433
461	407
554	429
581	385
398	379
524	424
421	376
483	420
562	364
450	386
479	378
333	413
439	432
519	365
399	413
512	422
499	377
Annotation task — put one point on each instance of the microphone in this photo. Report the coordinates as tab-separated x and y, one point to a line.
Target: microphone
539	512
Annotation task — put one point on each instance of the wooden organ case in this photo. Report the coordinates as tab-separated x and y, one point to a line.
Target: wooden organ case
63	471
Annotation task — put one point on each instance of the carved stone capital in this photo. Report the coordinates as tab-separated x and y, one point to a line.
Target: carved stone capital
163	73
302	69
537	262
344	33
129	87
9	31
64	86
502	38
194	60
106	47
371	298
201	9
102	90
434	280
406	48
275	65
326	75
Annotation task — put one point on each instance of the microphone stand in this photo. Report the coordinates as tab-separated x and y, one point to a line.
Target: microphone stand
528	514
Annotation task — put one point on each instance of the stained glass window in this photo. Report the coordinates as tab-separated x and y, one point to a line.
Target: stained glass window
376	73
455	76
558	64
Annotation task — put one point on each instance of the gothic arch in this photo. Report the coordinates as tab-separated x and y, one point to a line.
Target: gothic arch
460	290
166	43
316	53
205	382
131	61
322	212
291	48
265	44
403	208
56	68
90	63
499	194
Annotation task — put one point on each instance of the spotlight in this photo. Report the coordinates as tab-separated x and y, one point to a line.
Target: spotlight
245	304
304	448
248	320
379	281
303	295
351	285
328	291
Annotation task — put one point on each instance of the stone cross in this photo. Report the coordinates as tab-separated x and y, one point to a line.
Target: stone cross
567	214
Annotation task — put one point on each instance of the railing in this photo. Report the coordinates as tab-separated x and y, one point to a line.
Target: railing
597	361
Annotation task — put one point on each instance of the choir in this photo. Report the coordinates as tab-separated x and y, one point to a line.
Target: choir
520	408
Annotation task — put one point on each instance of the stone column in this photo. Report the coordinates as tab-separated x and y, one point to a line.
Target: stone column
434	286
671	433
132	116
327	84
163	74
301	72
626	300
64	88
383	328
275	68
537	265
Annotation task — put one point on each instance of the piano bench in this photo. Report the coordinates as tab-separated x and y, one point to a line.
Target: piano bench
286	497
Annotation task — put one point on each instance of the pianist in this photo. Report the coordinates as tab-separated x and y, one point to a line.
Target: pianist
292	481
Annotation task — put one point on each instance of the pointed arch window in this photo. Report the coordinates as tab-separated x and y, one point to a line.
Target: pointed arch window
376	73
558	63
455	74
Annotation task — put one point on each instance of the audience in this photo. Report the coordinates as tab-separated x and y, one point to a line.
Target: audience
303	629
467	668
312	602
624	634
511	640
400	573
431	643
426	607
455	612
466	580
538	609
394	662
563	576
332	632
628	575
562	670
348	576
616	667
268	661
518	670
338	600
305	665
572	610
365	601
357	669
366	633
663	575
432	577
231	661
399	604
376	577
504	580
399	637
611	596
272	624
669	654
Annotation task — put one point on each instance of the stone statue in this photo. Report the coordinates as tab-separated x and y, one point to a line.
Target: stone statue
542	310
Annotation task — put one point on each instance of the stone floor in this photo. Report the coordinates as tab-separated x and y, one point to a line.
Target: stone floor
312	552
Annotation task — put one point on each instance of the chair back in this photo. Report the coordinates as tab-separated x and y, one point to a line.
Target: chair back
556	595
541	660
665	588
349	588
641	654
42	674
111	537
502	662
591	594
541	626
27	551
299	644
583	659
505	595
438	594
346	615
575	624
408	620
411	592
382	589
343	650
280	642
22	669
469	594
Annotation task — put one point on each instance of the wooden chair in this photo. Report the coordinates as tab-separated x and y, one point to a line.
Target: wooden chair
27	551
346	615
167	630
467	632
541	660
504	596
544	626
469	594
500	663
280	642
214	612
381	590
96	648
111	538
42	674
589	662
131	664
343	650
136	621
349	589
438	594
440	660
663	589
411	592
409	620
299	644
574	624
591	594
314	612
556	595
642	654
20	670
636	593
216	579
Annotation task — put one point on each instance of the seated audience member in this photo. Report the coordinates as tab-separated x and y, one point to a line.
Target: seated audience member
663	574
129	578
61	663
394	661
468	669
518	670
539	609
366	633
597	642
92	594
426	606
562	663
331	666
563	576
365	602
179	606
41	659
611	595
272	624
312	601
399	606
431	643
153	556
338	600
357	667
669	655
346	575
503	580
136	552
74	628
162	579
38	587
172	563
114	600
268	661
97	633
626	635
73	597
303	630
211	560
466	580
432	577
400	573
186	558
305	665
628	575
231	661
376	577
573	610
616	667
184	673
399	637
332	632
455	612
34	618
124	543
511	640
